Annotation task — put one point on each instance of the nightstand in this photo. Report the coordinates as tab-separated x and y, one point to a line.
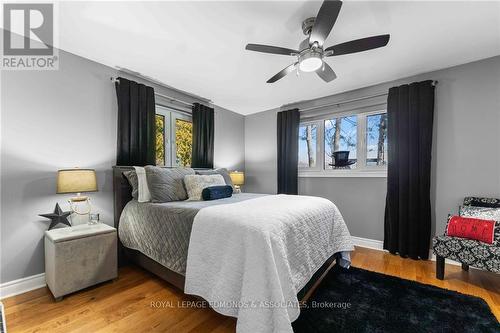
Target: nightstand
78	257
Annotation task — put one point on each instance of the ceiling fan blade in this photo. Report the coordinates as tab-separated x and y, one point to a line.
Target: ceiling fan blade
325	20
326	73
359	45
271	49
281	74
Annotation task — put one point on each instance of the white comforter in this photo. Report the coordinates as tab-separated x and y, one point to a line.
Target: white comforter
250	259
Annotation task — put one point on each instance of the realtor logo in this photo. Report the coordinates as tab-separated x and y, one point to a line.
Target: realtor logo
28	37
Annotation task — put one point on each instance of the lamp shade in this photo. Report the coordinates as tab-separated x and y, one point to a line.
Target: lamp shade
237	177
76	181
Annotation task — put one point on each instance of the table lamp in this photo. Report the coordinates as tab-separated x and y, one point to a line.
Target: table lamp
77	181
238	178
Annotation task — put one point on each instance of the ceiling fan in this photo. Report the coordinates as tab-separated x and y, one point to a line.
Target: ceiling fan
311	54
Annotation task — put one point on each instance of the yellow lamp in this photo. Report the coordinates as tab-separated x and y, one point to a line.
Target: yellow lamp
77	181
238	178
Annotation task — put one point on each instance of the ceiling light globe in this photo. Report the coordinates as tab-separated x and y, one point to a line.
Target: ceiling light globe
310	63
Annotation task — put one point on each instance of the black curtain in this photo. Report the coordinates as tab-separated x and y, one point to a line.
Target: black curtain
410	110
136	123
203	137
288	151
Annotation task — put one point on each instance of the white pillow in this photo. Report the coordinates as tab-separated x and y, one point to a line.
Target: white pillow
196	183
142	185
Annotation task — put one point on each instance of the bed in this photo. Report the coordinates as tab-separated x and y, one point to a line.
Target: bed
184	240
135	249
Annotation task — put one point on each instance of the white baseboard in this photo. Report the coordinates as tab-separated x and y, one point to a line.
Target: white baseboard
368	243
379	245
22	285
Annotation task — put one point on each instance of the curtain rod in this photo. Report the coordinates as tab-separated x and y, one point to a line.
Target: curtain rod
434	83
342	102
171	99
186	112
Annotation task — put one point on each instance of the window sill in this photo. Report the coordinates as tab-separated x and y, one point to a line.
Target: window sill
343	174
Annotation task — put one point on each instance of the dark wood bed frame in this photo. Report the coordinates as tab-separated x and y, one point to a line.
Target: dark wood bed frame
122	194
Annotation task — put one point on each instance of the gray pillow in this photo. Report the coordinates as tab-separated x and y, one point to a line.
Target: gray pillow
167	184
221	171
133	181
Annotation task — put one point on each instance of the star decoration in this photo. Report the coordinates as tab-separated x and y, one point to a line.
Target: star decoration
58	216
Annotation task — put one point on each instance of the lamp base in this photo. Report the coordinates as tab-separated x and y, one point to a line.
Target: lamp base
237	189
77	202
79	198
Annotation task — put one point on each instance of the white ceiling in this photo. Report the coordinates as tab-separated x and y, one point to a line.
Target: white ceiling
199	46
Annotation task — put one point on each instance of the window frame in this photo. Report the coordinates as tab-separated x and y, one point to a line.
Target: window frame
183	117
170	117
365	148
319	137
361	170
340	115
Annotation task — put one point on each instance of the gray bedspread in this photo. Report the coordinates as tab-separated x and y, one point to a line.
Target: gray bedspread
161	231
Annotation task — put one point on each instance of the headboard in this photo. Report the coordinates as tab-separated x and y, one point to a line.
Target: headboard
122	191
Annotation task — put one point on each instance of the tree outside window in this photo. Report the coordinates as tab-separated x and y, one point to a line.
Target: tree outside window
340	134
376	139
160	139
174	138
183	142
307	145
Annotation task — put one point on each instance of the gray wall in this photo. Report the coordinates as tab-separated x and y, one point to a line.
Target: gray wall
229	150
66	118
261	152
466	149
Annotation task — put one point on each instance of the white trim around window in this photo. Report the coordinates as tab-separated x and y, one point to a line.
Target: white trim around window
362	170
170	117
343	174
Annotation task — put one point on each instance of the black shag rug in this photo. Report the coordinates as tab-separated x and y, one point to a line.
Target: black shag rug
356	300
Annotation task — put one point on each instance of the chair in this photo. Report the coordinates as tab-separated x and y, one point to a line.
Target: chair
467	251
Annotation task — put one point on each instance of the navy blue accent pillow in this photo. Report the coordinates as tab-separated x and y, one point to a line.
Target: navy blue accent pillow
216	192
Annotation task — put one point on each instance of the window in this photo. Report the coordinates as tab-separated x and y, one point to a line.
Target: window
308	138
357	140
376	139
160	139
174	137
341	135
183	141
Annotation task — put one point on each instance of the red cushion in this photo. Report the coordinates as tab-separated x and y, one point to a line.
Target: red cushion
471	228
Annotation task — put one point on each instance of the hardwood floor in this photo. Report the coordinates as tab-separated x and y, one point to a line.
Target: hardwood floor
139	302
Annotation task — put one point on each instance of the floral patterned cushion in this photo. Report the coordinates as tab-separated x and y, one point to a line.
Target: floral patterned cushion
469	252
482	202
480	212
